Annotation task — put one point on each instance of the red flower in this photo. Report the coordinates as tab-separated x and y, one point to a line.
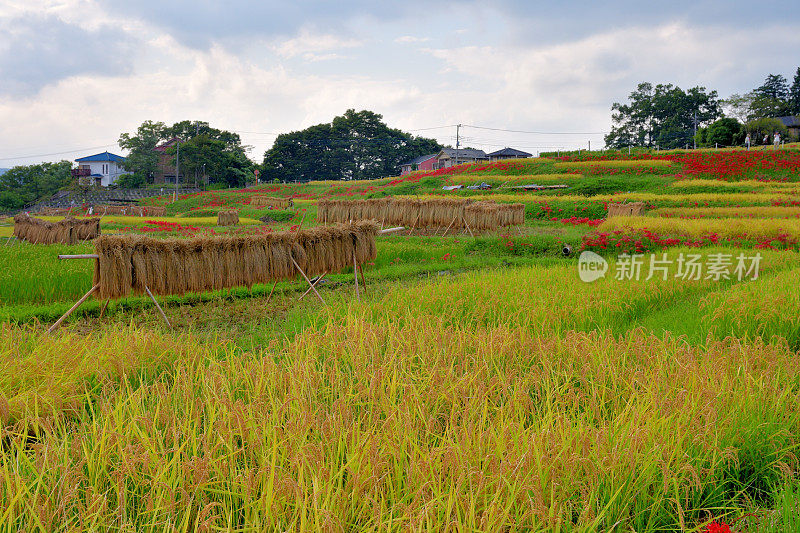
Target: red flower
718	527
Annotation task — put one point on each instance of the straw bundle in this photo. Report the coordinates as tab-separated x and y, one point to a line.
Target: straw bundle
227	218
271	201
53	211
623	210
176	266
66	231
131	210
428	212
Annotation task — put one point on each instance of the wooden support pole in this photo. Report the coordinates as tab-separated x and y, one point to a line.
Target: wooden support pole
363	279
448	227
79	256
72	309
355	271
271	291
306	278
468	228
150	294
103	310
313	285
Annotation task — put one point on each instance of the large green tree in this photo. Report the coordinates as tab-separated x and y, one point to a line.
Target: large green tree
794	94
356	145
22	185
142	159
662	115
771	98
215	155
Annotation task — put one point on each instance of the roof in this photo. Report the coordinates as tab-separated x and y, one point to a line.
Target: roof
466	153
790	122
105	156
418	160
166	144
510	152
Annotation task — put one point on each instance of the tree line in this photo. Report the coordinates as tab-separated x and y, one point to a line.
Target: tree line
666	116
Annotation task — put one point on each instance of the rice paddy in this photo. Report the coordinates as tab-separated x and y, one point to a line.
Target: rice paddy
475	384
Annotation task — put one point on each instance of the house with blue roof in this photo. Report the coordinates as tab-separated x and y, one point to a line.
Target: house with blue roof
99	169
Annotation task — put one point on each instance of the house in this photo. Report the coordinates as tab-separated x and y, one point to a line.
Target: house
165	168
508	153
793	125
99	169
423	162
449	157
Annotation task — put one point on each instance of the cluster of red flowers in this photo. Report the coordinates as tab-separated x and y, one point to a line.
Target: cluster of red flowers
578	221
644	240
728	165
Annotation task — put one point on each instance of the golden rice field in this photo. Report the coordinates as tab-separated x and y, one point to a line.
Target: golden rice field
449	402
723	227
134	221
476	383
728	212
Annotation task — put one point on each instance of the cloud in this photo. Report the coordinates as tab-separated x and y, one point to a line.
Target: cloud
411	39
200	24
37	50
313	46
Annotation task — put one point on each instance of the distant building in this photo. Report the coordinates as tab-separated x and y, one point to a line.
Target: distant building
100	169
793	125
449	157
165	169
508	153
423	162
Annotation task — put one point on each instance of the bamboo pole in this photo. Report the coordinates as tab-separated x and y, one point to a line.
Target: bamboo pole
448	227
306	278
355	271
271	291
79	256
467	225
363	279
157	306
391	230
72	309
313	285
103	310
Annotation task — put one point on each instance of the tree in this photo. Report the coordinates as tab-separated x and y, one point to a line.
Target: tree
739	106
765	126
794	94
723	132
23	185
226	162
662	115
221	152
142	159
772	97
356	145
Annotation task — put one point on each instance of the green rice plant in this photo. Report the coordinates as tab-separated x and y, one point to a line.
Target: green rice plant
32	274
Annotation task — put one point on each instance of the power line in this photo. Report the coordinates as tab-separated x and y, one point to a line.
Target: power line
57	153
539	132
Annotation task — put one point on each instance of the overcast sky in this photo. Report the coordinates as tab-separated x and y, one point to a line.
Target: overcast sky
74	74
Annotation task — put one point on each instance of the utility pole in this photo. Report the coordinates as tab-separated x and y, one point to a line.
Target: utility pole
177	169
458	127
695	130
590	146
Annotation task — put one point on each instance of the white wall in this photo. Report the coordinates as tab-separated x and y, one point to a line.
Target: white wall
110	171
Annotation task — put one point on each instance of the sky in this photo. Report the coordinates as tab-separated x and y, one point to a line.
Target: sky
75	74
